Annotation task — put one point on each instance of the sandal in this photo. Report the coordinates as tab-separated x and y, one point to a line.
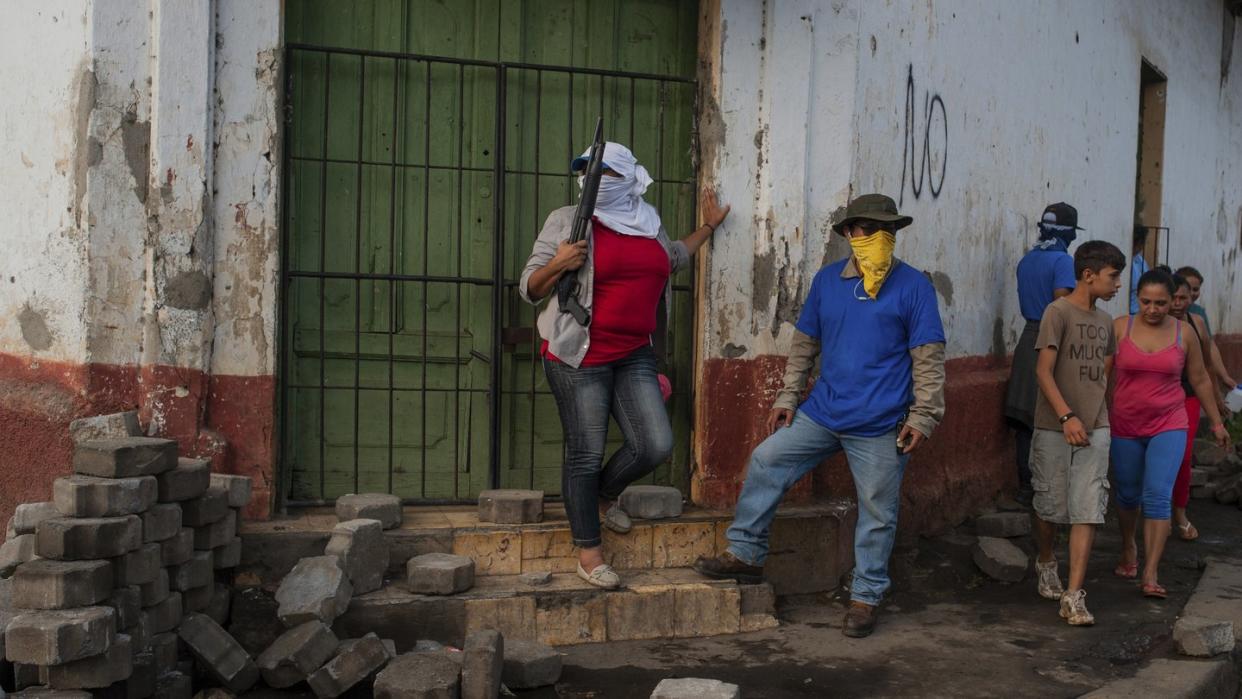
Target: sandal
1188	531
1129	571
1155	591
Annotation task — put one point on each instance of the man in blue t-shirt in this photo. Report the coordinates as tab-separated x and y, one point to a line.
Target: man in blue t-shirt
873	322
1138	266
1045	274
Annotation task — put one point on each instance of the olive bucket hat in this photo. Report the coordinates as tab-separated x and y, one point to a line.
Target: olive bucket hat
872	207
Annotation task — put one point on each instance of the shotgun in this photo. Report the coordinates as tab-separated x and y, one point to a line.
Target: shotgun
567	287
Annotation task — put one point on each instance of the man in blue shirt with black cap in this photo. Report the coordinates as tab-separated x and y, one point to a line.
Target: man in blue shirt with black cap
1045	274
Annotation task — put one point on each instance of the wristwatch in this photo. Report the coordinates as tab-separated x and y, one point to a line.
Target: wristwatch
1065	418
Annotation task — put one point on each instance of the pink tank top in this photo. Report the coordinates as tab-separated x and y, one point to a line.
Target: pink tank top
1148	398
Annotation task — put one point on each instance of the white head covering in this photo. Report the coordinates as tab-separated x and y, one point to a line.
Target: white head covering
619	204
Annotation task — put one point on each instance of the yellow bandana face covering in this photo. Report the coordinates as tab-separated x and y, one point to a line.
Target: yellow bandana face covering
874	254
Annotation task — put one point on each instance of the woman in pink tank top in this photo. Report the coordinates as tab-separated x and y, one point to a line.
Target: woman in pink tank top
1149	423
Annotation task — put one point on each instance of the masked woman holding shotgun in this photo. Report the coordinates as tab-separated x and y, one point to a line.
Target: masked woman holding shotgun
608	367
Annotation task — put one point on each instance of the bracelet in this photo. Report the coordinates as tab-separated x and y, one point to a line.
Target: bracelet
1066	417
710	227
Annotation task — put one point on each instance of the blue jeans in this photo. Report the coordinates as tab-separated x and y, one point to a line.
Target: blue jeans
629	391
794	451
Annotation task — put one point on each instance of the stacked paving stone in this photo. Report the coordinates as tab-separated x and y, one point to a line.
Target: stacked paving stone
104	574
994	551
1217	472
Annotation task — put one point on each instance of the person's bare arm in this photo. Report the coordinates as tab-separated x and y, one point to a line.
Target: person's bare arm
1202	384
1074	428
713	215
569	257
1058	293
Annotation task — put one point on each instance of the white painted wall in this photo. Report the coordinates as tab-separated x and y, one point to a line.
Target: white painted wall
1041	104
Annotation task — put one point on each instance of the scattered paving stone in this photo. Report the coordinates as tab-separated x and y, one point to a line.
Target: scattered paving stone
164	616
508	506
238	488
229	555
114	426
1206	491
219	533
26	517
197	599
66	539
95	672
253	620
439	574
15	552
354	663
138	567
60	636
174	685
1229	490
1208	453
483	662
694	688
386	508
141	680
1198	477
178	549
362	552
316	588
189	480
218	607
211	506
529	665
127	601
223	658
161	522
419	676
127	457
45	584
651	501
155	591
537	578
140	633
1003	524
25	675
90	496
297	653
164	646
1000	559
194	573
1203	638
757	599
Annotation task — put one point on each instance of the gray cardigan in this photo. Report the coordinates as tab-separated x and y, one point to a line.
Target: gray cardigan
566	339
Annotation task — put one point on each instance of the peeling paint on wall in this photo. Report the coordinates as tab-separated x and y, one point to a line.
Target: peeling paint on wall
34	328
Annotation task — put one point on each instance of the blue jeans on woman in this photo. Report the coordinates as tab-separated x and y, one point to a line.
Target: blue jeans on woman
792	452
628	390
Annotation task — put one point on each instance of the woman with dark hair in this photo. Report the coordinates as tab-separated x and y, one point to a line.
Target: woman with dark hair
1149	422
1180	309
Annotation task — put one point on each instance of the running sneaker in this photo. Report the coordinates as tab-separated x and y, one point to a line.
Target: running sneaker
1049	581
1074	608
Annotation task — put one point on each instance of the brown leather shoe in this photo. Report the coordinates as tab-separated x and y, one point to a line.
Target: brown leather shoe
859	620
726	566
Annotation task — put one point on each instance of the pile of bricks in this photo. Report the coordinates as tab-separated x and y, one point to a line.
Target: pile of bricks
104	574
1217	473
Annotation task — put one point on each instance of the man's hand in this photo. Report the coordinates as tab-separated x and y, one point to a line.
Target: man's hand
779	417
1075	433
911	438
569	256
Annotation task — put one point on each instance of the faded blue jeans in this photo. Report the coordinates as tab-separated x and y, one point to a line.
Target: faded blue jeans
629	391
792	452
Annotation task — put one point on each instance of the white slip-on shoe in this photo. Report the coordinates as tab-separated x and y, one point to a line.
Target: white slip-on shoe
616	520
603	576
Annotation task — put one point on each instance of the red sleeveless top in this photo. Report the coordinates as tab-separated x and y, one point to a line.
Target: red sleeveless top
1148	398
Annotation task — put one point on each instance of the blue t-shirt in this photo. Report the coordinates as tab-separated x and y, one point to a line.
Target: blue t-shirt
1041	272
865	383
1139	269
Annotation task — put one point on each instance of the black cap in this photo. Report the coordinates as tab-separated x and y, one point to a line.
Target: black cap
1061	214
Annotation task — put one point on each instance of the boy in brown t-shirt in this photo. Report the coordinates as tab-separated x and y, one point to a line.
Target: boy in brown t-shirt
1069	450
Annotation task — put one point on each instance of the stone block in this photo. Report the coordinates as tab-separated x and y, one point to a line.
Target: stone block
651	501
537	578
197	599
188	480
439	574
26	517
386	508
1003	525
178	549
228	555
216	534
361	551
528	665
90	496
218	607
127	457
141	681
641	614
1206	491
296	654
138	567
705	610
1229	490
1202	638
1000	559
211	506
567	619
353	663
114	426
127	601
45	584
161	522
59	636
218	652
316	588
419	676
15	552
757	599
195	572
238	488
66	539
483	662
164	616
140	633
95	672
26	675
695	688
509	506
253	621
165	647
156	591
1208	453
493	552
174	685
1198	477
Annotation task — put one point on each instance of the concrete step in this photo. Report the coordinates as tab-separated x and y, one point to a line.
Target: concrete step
655	603
811	545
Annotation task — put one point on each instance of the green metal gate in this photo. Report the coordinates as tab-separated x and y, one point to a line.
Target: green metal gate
425	143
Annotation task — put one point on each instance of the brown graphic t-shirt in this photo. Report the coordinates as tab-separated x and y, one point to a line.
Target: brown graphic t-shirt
1083	339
